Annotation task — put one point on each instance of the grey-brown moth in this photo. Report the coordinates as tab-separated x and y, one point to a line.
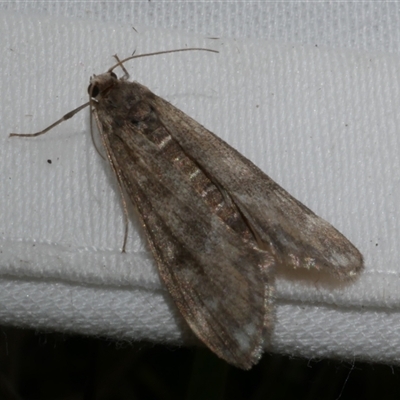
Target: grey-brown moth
216	224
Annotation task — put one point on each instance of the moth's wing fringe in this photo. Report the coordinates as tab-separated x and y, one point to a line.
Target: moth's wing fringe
218	281
288	229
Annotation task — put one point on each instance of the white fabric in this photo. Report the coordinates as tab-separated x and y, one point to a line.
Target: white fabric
322	121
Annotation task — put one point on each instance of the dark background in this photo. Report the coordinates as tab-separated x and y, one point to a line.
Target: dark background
58	366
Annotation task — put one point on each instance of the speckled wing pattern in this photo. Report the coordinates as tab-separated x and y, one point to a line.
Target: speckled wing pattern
216	224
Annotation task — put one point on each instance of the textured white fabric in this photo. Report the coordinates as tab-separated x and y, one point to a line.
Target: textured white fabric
321	120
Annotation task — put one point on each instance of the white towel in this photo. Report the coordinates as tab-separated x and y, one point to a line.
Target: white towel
321	121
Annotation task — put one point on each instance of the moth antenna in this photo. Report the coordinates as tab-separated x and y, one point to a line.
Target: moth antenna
62	119
126	73
158	53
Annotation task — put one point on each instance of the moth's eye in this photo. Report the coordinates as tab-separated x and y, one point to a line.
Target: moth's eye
113	75
93	91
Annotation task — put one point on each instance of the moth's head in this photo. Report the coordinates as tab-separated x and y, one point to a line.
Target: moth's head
101	84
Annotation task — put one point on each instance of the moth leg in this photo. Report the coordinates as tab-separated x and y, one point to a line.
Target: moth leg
126	73
119	180
124	207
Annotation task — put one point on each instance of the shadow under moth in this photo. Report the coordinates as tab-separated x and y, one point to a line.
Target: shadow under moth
216	224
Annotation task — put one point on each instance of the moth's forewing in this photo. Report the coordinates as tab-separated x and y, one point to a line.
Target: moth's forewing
219	281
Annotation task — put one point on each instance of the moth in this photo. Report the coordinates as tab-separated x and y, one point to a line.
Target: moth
216	224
